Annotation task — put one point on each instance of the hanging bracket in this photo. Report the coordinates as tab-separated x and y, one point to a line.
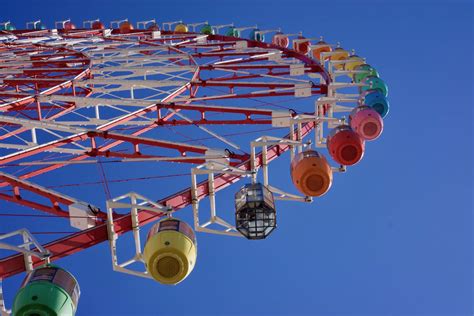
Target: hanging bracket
132	202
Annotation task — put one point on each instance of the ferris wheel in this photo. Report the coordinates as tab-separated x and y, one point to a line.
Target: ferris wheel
192	109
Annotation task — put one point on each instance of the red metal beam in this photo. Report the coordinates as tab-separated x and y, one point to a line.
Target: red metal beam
55	200
269	85
240	67
182	148
322	90
55	210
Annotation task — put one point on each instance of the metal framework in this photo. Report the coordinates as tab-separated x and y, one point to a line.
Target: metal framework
82	96
132	202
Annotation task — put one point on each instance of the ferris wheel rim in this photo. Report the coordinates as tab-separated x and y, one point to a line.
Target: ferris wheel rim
315	66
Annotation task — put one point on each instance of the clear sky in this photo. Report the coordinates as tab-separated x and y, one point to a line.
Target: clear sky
392	237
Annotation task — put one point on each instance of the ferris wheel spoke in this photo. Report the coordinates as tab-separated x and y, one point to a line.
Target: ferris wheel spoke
306	89
81	102
84	135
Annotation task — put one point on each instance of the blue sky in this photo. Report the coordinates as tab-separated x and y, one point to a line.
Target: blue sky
392	237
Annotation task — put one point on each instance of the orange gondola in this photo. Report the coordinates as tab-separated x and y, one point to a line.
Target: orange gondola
311	173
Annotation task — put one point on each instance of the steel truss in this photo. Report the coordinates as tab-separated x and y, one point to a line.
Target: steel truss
78	94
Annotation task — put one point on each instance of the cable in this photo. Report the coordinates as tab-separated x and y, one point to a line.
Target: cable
41	215
104	180
45	233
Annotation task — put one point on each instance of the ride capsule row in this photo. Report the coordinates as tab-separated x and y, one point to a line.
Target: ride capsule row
373	90
170	250
170	255
124	26
311	174
310	171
